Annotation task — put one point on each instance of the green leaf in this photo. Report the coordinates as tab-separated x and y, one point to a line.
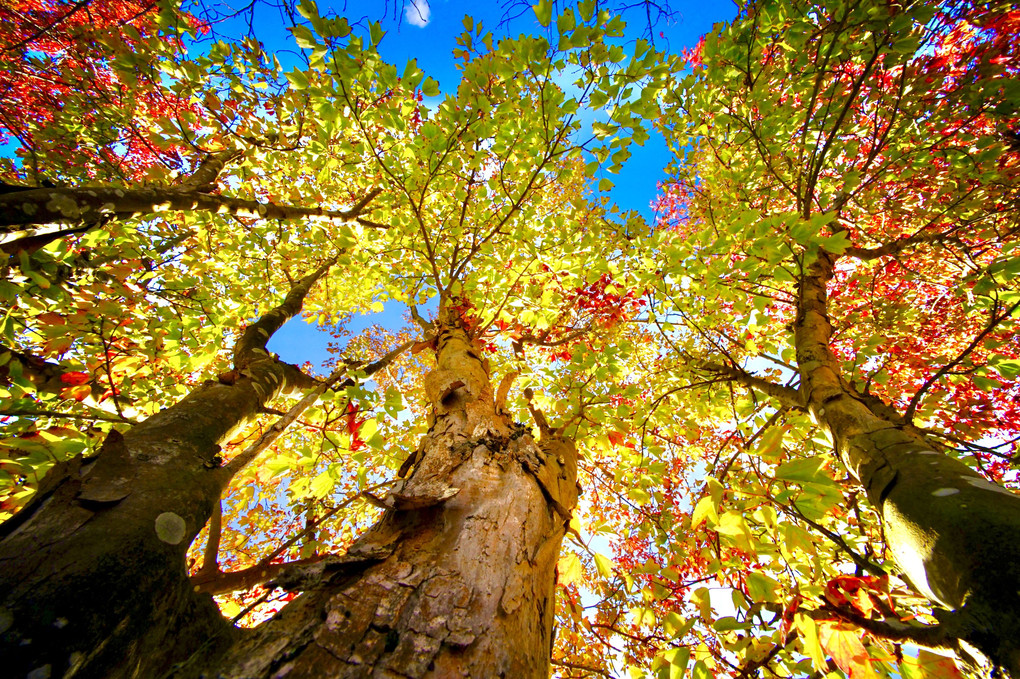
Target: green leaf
298	79
308	9
677	659
569	570
806	470
771	444
566	21
543	12
376	33
810	645
928	665
761	587
304	37
430	88
836	243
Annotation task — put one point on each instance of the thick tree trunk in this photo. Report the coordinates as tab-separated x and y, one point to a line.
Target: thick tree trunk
954	534
92	572
457	578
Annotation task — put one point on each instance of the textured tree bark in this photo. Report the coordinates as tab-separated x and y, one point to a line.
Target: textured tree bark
92	573
955	534
457	578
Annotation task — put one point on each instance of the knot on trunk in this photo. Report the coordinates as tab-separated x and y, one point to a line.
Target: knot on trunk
450	390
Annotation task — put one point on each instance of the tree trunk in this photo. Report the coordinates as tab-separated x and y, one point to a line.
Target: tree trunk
92	572
954	534
457	578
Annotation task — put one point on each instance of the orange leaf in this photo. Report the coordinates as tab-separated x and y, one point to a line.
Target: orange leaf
75	378
928	665
843	644
78	393
51	318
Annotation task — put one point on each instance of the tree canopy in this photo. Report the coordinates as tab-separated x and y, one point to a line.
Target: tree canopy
789	406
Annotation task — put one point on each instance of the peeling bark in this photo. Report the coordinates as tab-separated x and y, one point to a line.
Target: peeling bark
955	534
457	578
92	572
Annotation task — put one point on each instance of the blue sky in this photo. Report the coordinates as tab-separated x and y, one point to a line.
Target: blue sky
426	30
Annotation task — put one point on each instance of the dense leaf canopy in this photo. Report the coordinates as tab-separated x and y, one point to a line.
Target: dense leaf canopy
167	186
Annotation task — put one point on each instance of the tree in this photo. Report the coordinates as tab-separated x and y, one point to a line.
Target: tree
80	80
477	205
841	264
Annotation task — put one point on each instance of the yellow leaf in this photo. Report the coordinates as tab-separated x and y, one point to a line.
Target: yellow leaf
604	565
229	608
810	645
322	485
569	570
928	665
704	509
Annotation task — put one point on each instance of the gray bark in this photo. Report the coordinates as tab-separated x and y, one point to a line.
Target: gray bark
955	534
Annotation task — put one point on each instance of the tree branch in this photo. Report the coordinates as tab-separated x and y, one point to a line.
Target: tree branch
908	414
861	561
931	636
787	396
274	432
93	204
217	582
209	169
256	335
210	564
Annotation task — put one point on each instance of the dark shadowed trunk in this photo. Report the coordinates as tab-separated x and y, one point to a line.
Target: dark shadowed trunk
457	578
955	534
92	572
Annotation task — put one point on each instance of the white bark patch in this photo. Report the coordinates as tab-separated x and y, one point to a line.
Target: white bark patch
43	672
985	484
927	452
944	492
65	205
170	528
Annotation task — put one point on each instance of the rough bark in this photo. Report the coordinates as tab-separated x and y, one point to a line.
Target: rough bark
457	578
92	572
954	534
